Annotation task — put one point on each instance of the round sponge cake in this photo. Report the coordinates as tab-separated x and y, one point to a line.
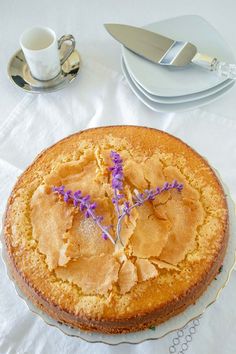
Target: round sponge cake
172	246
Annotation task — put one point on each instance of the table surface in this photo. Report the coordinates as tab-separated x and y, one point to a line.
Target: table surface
84	19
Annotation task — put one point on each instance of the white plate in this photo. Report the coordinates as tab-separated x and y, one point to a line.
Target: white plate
175	107
174	323
176	81
184	98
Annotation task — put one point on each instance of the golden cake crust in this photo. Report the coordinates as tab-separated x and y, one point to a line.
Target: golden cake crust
150	302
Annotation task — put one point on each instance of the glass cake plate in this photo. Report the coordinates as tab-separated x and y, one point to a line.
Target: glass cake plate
174	323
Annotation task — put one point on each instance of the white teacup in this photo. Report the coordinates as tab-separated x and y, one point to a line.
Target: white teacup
41	50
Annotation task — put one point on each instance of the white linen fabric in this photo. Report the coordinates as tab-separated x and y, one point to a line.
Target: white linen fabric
101	96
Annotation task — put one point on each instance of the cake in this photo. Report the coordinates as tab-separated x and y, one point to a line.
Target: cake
70	255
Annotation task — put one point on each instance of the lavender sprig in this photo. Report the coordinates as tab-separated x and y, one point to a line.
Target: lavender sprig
140	198
117	184
86	206
117	180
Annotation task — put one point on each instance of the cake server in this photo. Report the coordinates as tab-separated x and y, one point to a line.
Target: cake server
166	51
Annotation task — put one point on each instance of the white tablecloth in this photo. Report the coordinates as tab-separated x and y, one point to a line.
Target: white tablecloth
100	96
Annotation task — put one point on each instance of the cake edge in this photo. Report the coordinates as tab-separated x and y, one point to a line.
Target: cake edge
137	323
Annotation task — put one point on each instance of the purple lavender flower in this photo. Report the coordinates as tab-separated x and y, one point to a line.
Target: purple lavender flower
126	208
60	189
86	206
106	232
104	236
140	198
117	171
67	196
149	194
117	180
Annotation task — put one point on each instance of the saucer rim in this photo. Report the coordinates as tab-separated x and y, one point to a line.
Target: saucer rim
41	90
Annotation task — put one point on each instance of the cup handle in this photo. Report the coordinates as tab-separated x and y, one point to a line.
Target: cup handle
66	37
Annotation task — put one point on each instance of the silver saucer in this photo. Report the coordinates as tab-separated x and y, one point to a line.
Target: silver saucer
19	73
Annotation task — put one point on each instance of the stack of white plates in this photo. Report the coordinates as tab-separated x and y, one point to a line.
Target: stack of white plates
166	89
